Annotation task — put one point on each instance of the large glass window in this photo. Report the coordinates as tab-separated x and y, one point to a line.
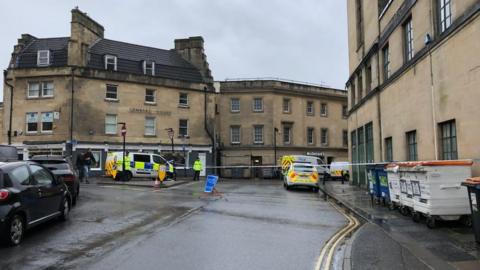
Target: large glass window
287	136
388	149
47	121
344	111
448	136
445	14
345	137
258	105
310	108
183	127
324	109
369	142
324	136
33	89
235	134
149	126
386	62
258	134
286	105
111	124
32	122
412	145
310	135
235	105
408	39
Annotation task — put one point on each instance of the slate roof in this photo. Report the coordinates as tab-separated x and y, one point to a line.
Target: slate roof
130	57
58	52
168	63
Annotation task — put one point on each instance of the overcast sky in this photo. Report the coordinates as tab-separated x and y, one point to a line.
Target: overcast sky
303	40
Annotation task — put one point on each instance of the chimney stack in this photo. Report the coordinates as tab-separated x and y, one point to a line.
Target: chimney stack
83	32
191	49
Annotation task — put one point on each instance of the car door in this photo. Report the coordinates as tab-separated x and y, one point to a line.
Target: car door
140	161
29	195
49	191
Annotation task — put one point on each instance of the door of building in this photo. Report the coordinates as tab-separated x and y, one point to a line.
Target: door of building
256	170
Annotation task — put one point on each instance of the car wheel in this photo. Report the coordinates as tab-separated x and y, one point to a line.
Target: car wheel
16	230
129	175
65	209
431	222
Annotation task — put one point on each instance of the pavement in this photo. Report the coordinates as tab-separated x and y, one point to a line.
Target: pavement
391	241
247	225
142	182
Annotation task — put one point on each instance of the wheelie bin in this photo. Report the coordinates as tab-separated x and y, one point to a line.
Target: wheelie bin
373	183
393	177
473	188
383	181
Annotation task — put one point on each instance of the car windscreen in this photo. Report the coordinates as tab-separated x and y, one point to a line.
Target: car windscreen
54	164
303	168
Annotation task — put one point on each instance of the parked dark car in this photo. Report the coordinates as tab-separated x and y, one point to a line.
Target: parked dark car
29	195
63	169
8	153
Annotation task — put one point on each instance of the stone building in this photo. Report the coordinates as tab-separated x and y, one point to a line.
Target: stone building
261	120
72	93
413	85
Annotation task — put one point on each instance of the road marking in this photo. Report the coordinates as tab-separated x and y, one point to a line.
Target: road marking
123	187
328	250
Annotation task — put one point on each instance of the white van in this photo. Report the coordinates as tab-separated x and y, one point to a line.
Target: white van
141	164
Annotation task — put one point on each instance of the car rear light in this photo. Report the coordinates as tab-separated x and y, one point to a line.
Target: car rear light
4	194
68	178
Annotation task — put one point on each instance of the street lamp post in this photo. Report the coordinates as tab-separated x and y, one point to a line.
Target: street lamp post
275	131
124	134
171	134
184	138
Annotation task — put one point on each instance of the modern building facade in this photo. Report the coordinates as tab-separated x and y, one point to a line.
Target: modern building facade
73	93
261	120
414	81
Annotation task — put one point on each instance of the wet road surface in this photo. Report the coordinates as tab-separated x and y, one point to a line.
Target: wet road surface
253	225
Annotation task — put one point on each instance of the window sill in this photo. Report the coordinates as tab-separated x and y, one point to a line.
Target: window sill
148	103
324	115
183	136
40	97
258	111
258	143
235	111
234	143
285	112
184	106
111	100
111	134
310	114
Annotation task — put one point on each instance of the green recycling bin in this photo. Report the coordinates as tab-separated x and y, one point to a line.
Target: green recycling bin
473	187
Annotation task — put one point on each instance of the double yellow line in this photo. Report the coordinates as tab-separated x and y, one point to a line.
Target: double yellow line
328	250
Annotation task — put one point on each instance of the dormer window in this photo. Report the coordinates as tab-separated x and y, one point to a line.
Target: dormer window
111	62
43	58
149	68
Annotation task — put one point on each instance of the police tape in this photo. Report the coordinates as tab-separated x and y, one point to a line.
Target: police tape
343	164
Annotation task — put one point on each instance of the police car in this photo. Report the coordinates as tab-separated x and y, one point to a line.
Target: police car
300	175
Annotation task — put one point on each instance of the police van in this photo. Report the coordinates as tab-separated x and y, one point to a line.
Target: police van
317	162
141	164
